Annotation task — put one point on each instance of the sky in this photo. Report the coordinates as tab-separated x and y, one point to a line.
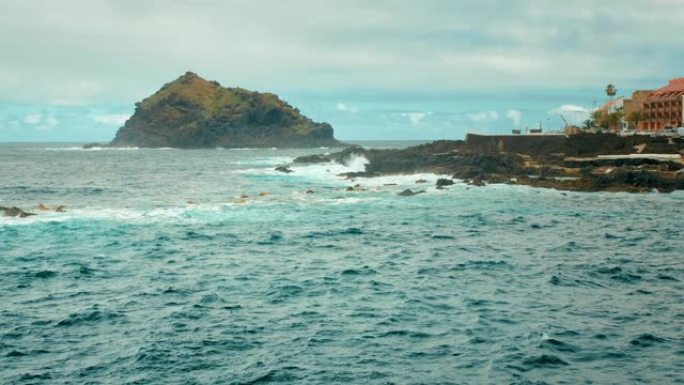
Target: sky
72	70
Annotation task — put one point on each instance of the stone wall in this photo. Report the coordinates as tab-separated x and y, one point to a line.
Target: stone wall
574	145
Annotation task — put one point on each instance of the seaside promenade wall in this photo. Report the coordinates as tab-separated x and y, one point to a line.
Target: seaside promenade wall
573	145
520	144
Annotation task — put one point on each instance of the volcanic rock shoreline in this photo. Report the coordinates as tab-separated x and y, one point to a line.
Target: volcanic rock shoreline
585	162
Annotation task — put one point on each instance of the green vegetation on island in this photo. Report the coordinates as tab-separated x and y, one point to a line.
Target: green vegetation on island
192	112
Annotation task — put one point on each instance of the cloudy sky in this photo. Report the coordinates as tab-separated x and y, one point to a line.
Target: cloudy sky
72	70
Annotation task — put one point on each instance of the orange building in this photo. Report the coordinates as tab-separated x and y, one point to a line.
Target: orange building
633	108
663	108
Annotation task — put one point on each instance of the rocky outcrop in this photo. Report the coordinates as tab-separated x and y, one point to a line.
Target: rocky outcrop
191	112
483	162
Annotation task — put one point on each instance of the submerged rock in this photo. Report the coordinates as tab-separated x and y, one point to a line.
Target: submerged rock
191	112
356	187
410	193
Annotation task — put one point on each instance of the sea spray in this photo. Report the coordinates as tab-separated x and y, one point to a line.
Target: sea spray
356	163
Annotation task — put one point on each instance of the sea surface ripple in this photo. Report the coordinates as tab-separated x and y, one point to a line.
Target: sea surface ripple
159	273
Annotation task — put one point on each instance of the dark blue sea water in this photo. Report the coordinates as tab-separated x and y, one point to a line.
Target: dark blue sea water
159	273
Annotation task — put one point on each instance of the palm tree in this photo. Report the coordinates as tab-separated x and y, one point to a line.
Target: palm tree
588	124
610	91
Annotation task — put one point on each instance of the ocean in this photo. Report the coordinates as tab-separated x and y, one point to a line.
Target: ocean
162	271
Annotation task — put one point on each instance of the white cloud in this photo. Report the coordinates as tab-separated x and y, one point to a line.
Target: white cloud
571	113
383	45
343	107
50	121
568	108
111	119
486	116
40	119
414	117
41	122
515	116
33	119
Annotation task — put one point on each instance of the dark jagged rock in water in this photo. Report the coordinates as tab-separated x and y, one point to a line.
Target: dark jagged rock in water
284	169
14	212
443	182
356	187
410	193
316	158
89	146
191	112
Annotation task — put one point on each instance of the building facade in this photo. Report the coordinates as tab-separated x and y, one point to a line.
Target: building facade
663	108
633	108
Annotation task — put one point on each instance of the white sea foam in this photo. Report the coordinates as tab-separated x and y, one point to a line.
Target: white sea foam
264	161
322	171
100	148
333	172
192	213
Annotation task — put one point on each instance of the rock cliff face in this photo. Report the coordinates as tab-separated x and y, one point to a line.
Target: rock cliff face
191	112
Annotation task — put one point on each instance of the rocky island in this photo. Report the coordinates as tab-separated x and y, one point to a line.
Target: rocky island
191	112
585	162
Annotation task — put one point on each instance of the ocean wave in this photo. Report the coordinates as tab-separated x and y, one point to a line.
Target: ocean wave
334	173
264	161
197	213
94	315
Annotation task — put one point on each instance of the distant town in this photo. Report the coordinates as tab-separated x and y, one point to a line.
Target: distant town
658	112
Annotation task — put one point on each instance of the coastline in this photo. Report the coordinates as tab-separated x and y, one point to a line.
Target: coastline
588	162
